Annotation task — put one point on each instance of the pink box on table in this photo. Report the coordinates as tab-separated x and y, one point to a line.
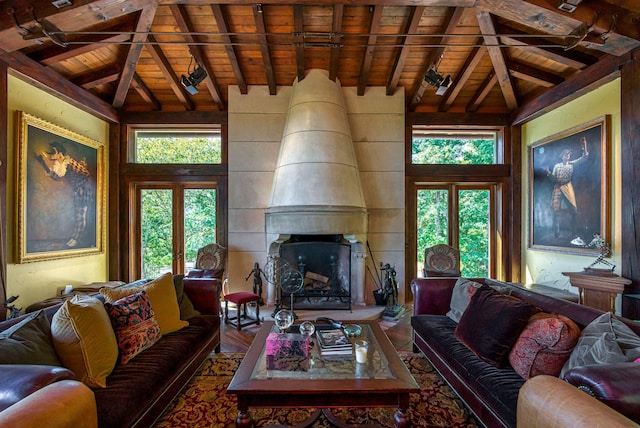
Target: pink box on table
287	351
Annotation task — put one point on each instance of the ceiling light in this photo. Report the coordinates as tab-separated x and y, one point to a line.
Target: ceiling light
568	5
438	81
193	79
61	3
444	85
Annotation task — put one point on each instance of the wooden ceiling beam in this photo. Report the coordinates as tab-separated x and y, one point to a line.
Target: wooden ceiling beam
534	75
143	90
92	13
298	27
607	69
261	30
223	28
94	78
570	58
334	52
54	53
412	26
53	83
170	76
133	56
461	78
482	92
543	15
495	53
182	19
365	68
450	23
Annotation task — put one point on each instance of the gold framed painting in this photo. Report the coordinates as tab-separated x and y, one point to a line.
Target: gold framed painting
569	186
60	204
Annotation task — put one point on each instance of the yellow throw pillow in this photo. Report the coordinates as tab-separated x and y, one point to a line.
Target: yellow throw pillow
84	340
163	298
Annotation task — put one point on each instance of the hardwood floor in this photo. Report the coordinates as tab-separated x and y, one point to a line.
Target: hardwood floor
399	333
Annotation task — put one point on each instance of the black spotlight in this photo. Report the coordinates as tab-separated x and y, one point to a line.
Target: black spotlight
438	81
193	79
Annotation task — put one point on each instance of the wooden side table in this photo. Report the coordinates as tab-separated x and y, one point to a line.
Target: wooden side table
598	290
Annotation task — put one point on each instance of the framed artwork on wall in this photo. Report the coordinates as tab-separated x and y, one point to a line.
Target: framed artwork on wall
569	185
60	192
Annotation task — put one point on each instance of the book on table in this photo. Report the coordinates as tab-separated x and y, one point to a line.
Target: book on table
334	342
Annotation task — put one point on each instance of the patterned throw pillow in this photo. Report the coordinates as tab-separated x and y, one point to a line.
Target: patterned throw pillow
134	324
544	345
163	298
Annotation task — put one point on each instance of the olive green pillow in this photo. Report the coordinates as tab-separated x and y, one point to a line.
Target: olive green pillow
84	339
28	342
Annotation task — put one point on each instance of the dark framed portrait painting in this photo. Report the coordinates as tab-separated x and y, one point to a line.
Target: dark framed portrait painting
60	192
569	189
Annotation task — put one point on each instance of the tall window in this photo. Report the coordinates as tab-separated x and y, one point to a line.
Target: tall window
458	216
174	204
175	221
454	195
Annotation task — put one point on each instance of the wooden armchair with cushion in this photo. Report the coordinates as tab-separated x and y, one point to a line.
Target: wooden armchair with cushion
210	262
441	260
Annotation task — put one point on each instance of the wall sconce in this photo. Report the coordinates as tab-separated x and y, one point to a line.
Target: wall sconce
438	81
195	77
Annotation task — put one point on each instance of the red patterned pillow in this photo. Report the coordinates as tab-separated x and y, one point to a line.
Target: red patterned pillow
134	324
544	345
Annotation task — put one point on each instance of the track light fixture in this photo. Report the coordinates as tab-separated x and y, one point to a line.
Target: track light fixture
197	75
438	81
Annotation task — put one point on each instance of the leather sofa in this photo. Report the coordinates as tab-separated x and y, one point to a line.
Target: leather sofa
491	393
136	393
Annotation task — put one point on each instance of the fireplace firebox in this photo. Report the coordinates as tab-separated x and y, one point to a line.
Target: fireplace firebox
324	263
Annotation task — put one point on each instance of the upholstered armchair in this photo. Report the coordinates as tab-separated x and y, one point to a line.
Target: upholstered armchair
441	260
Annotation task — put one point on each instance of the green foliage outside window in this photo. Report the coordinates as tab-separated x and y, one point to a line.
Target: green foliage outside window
453	151
473	204
157	204
178	148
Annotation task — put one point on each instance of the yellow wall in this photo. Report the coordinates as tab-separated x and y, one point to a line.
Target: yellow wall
36	281
543	267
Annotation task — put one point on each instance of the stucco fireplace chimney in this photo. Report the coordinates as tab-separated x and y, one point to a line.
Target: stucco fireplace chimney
316	188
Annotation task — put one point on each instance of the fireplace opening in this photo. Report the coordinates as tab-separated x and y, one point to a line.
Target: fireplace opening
324	262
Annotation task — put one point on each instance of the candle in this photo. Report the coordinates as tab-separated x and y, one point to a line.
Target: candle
361	351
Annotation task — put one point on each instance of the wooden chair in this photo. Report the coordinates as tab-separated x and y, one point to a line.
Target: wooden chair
441	260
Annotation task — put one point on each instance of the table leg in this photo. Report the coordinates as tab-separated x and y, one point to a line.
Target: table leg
401	419
244	419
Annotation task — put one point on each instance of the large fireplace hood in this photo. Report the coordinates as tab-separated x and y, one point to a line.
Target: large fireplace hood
316	188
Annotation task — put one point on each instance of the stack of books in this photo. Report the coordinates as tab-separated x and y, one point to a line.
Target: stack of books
334	342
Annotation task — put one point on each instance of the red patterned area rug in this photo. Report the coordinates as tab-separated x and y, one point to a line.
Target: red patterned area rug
205	403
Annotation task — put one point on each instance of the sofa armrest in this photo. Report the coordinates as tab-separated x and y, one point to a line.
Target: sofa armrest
549	402
432	295
616	385
204	293
63	404
21	380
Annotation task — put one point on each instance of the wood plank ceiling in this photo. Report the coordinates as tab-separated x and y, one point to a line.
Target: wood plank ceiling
130	54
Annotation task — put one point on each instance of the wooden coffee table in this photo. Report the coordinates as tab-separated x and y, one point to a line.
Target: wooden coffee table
330	382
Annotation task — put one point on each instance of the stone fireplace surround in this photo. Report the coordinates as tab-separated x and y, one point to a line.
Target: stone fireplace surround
316	187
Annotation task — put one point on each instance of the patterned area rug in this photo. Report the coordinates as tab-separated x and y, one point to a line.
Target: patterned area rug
205	403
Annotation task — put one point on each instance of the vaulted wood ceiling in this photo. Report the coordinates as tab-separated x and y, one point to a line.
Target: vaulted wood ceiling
130	54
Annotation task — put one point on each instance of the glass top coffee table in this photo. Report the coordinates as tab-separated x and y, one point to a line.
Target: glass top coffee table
330	381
